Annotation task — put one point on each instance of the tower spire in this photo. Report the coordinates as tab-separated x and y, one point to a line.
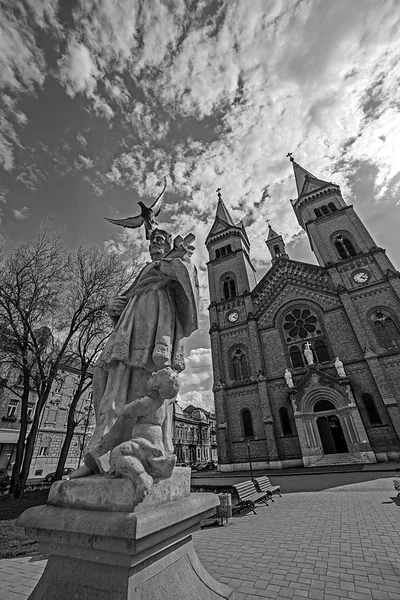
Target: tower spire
275	244
222	212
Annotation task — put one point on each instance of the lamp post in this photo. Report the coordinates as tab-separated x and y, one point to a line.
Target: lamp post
251	466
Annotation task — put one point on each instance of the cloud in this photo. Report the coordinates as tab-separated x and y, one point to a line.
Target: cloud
22	64
196	379
78	70
21	213
198	399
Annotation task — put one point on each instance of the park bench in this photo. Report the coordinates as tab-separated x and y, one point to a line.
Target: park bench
248	495
264	485
396	483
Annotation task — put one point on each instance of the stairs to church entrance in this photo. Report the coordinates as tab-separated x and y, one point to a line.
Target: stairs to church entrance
329	460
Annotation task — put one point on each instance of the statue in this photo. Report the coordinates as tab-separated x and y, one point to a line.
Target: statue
339	367
308	353
289	378
136	376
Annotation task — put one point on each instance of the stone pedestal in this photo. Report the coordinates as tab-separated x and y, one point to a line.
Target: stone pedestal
107	555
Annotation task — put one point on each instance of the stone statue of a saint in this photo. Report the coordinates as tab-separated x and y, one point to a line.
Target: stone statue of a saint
339	367
289	378
136	376
308	353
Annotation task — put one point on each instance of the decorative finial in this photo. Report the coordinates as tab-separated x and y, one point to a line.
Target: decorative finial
268	221
289	156
219	193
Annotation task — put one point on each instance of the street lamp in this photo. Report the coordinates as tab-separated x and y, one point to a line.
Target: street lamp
251	466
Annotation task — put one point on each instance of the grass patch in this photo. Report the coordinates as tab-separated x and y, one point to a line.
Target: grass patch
13	541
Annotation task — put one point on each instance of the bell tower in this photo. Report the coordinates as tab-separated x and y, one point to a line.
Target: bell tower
337	236
275	245
230	271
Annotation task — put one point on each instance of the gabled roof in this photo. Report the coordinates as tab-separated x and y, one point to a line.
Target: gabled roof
306	181
295	274
222	212
272	234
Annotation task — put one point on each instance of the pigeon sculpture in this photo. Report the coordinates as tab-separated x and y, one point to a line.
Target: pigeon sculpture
146	216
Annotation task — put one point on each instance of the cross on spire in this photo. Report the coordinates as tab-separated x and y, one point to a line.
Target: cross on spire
268	221
219	193
289	155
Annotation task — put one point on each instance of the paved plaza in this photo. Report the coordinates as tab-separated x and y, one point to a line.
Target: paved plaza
326	545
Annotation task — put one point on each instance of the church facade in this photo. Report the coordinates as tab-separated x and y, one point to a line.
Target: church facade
305	361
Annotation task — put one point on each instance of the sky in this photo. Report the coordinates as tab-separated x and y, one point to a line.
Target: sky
102	99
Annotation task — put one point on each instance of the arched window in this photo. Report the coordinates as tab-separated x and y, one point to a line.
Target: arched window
340	248
344	246
217	253
322	405
285	421
223	250
245	366
229	248
332	206
349	247
372	411
386	330
325	210
296	357
247	423
277	251
318	213
240	366
321	351
229	287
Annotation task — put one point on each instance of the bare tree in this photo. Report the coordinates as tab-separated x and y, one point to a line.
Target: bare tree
47	296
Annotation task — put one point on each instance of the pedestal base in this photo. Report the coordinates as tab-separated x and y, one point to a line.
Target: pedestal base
96	555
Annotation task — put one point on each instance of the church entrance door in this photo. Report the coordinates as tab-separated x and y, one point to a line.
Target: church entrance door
332	436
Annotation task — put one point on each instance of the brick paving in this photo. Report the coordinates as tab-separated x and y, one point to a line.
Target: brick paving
331	545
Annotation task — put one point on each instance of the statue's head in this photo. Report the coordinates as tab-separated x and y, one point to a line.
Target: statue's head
160	244
165	382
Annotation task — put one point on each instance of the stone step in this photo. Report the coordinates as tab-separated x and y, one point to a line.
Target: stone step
337	459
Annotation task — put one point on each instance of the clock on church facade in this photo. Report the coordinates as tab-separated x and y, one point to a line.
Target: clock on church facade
305	361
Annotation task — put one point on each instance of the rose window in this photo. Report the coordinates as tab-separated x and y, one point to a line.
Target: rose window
300	323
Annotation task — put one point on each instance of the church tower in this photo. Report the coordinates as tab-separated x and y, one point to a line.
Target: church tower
230	272
275	245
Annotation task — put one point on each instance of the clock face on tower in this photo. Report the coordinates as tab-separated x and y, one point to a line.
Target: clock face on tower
232	316
361	276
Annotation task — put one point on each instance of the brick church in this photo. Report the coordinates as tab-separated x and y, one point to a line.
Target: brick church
306	361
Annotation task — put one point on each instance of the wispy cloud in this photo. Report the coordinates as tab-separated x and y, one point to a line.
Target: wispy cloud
21	213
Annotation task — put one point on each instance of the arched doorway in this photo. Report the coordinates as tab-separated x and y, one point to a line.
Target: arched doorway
330	429
332	436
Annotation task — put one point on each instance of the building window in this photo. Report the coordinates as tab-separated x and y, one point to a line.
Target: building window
43	450
344	247
318	213
285	421
332	206
38	472
296	357
223	251
386	329
372	411
321	351
217	253
247	423
30	410
277	251
229	287
240	366
300	323
325	210
12	409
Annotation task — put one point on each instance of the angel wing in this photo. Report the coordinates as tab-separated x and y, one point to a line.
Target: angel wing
131	222
156	206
